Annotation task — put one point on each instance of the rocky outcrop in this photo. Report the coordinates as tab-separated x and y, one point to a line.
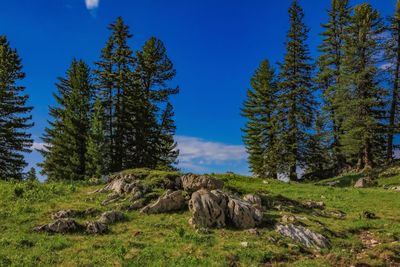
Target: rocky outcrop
110	217
254	200
303	235
62	214
96	227
364	182
62	226
208	209
170	201
218	209
137	204
193	182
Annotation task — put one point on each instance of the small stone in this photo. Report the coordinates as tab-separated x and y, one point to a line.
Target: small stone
303	235
96	227
244	244
110	217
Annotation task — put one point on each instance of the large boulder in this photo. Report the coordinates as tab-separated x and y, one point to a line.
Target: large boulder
62	226
170	201
193	182
110	217
208	209
303	235
242	214
218	209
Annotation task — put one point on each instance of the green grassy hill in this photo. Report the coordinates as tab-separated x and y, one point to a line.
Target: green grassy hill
168	239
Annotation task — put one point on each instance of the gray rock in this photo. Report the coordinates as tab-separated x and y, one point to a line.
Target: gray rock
242	214
193	182
314	204
170	201
137	204
364	182
62	226
217	209
208	209
96	227
303	235
62	214
254	200
110	217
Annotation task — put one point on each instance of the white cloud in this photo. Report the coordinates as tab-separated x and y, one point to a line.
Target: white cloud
198	154
38	145
386	66
92	4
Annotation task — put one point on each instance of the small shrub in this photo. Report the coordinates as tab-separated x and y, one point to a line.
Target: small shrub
18	191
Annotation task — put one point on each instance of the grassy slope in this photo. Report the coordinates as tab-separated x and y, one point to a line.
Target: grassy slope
168	240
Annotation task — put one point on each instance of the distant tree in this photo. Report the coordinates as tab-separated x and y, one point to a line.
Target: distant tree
31	175
329	72
393	57
296	100
95	144
14	114
66	138
262	126
362	105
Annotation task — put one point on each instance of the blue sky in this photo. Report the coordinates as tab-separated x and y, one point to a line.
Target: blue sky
215	45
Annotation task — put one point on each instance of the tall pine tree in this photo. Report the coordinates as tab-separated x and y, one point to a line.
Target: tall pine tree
329	74
393	57
362	97
14	114
262	126
297	101
66	138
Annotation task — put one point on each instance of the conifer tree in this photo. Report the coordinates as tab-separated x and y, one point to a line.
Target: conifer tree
95	143
66	138
14	114
297	101
167	147
153	72
262	126
114	76
393	57
362	103
329	74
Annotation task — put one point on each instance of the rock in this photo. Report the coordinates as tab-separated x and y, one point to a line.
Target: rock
244	244
369	215
314	204
288	218
170	201
193	182
114	197
62	214
242	214
136	193
395	188
303	235
217	209
96	227
253	231
110	217
337	214
364	182
208	209
137	204
254	200
62	226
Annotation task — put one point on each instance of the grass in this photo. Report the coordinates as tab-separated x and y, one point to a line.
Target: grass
168	240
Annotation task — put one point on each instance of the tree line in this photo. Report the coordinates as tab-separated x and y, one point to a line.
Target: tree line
336	113
115	116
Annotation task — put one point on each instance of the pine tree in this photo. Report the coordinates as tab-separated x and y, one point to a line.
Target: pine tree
329	73
393	56
66	138
362	102
31	175
167	148
95	143
114	74
261	130
153	72
14	114
297	102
